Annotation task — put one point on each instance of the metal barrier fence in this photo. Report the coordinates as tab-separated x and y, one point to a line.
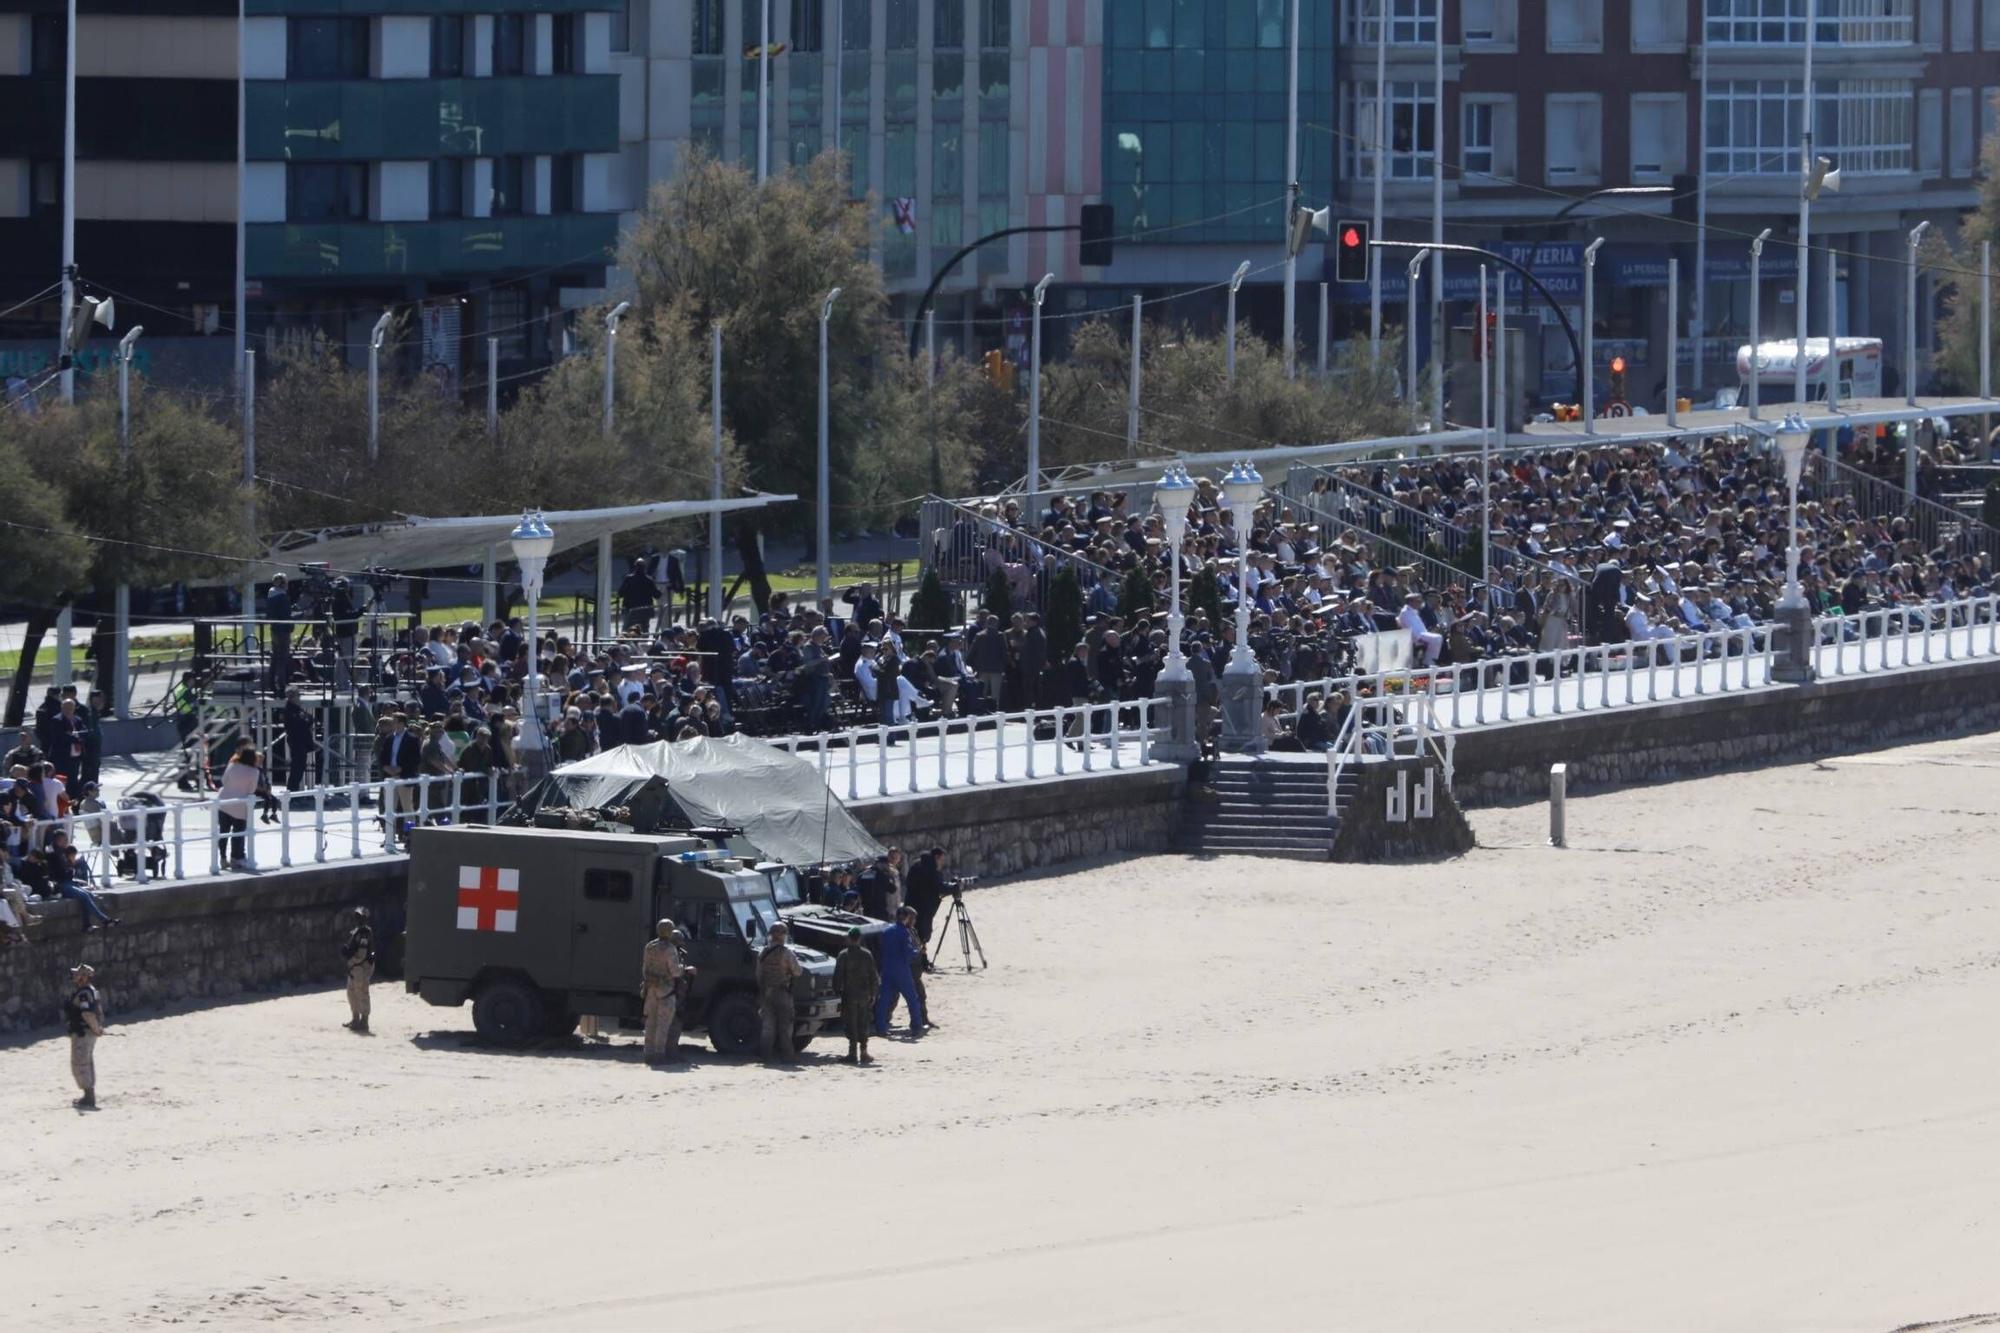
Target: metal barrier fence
976	751
1593	678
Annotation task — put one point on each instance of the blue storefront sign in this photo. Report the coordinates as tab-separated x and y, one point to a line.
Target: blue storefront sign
1557	265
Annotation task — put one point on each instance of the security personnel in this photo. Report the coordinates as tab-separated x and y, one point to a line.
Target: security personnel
358	952
858	982
681	987
83	1011
900	953
298	724
776	970
660	968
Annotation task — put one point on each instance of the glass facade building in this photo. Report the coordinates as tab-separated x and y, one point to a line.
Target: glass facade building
1196	96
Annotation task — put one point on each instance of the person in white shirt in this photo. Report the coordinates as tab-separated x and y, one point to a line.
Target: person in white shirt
1642	629
1421	636
864	671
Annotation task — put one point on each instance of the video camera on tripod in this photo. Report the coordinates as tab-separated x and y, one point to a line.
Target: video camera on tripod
968	934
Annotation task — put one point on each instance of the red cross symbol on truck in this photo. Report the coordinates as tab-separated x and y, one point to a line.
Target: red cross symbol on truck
489	898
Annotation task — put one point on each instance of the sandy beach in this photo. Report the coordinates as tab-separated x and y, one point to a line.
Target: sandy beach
1727	1063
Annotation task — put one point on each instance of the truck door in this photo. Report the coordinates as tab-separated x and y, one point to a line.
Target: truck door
607	928
712	939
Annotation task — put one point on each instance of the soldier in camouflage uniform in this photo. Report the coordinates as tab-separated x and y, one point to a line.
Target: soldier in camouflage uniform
660	968
357	954
776	969
858	981
83	1012
681	985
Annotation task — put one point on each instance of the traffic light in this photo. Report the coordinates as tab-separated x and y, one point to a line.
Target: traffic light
1350	252
1095	248
1618	379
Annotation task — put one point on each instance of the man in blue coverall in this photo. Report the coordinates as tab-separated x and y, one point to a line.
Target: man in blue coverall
900	954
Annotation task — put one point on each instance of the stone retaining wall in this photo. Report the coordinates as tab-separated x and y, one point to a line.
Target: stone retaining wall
1690	737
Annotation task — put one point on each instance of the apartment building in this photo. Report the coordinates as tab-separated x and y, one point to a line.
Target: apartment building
446	153
1544	99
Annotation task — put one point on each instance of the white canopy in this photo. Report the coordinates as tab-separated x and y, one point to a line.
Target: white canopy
439	543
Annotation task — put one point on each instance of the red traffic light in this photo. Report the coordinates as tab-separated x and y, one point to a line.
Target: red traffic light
1351	238
1618	365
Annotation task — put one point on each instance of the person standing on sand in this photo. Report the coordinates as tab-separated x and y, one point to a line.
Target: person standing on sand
659	969
358	952
83	1012
858	982
777	969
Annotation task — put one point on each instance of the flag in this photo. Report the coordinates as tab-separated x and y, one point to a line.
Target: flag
905	210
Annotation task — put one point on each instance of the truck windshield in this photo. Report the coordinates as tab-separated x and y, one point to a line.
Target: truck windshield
784	884
755	918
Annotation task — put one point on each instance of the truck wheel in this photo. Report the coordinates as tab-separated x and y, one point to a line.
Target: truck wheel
734	1025
800	1043
508	1013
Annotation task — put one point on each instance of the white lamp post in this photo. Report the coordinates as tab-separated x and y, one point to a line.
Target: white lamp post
533	541
121	606
375	337
1235	281
1794	616
1035	404
1176	682
824	581
1242	681
611	364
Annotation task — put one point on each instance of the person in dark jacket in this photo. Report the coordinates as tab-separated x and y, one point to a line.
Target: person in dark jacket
297	722
633	723
278	610
926	889
1034	660
988	659
718	661
638	594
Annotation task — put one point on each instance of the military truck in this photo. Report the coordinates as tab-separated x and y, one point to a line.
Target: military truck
539	926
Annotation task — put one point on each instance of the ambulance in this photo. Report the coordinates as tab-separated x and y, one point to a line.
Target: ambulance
1775	365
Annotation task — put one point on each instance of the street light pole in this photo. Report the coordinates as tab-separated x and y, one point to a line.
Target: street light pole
1035	399
1175	681
824	501
1243	679
1437	223
764	92
1381	134
1132	405
1805	216
1756	311
533	542
68	205
1410	337
715	514
1235	281
1587	372
1909	322
1292	204
1794	616
121	605
611	364
375	337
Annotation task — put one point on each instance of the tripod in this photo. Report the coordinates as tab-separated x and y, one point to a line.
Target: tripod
968	934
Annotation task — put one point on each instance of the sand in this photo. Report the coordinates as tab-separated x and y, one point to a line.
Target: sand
1727	1063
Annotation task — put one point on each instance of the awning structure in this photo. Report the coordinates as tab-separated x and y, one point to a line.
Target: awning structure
438	543
1857	413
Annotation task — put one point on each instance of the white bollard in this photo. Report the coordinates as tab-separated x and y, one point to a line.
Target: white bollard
1558	790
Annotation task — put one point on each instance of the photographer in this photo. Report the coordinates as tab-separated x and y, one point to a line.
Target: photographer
925	890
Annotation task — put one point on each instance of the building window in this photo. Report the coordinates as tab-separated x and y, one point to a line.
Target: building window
1487	124
948	24
565	182
510	185
1660	25
1412	128
45	40
1754	125
1574	143
899	25
326	192
621	26
1659	136
1930	131
326	48
856	28
1411	22
707	15
1487	23
510	44
996	24
448	46
607	885
1783	22
448	187
1964	147
808	26
566	44
1576	25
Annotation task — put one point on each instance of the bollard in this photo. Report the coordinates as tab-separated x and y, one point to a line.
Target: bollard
1558	789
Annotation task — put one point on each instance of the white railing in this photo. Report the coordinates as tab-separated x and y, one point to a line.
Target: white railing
344	823
1525	686
1388	728
983	750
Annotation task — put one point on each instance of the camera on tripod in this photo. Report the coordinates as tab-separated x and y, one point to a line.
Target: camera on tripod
957	887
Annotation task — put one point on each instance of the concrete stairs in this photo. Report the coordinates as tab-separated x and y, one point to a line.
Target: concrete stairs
1269	806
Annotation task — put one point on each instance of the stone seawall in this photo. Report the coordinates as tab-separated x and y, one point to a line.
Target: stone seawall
240	934
1691	737
991	831
203	940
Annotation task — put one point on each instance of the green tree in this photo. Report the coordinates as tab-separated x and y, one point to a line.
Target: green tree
1135	594
931	608
1064	621
1204	593
998	600
1956	269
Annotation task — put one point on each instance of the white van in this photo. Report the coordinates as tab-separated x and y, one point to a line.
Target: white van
1860	371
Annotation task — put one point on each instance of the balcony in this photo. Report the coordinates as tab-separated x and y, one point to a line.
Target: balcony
459	247
405	119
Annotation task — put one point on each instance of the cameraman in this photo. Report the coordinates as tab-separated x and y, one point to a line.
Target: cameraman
925	890
345	615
